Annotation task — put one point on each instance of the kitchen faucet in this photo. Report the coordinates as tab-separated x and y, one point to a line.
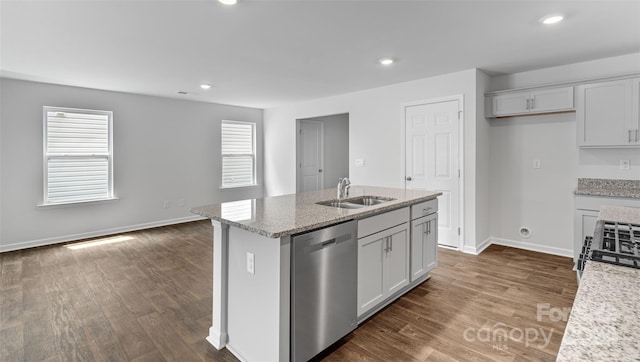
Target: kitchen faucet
343	187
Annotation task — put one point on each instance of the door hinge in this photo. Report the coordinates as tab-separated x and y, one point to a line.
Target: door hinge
459	115
300	130
458	231
459	173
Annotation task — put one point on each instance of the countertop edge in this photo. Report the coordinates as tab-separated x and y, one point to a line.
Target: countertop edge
359	214
608	193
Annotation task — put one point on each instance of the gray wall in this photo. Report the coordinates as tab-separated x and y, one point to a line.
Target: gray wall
164	149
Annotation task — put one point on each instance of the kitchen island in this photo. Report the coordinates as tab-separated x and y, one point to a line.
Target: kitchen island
605	322
252	260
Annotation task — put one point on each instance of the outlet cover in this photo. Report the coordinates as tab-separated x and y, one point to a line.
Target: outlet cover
625	164
251	263
537	163
359	162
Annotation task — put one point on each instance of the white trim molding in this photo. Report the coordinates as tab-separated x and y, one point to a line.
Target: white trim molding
518	245
533	247
93	234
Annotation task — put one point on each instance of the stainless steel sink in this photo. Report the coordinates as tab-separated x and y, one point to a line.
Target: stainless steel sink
370	200
356	202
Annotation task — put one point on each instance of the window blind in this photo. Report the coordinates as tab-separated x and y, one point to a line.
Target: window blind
238	154
78	156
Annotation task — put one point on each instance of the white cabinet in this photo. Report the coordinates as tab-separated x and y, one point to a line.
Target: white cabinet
383	262
530	102
608	114
424	245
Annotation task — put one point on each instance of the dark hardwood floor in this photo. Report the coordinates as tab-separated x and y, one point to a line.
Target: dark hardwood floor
148	298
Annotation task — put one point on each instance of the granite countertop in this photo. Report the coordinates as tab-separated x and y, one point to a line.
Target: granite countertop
605	320
608	188
622	214
295	213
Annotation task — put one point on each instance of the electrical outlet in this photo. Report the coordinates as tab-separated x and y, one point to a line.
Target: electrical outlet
251	263
537	163
166	204
360	162
625	164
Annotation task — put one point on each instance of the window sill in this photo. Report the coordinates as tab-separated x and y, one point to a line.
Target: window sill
239	187
76	203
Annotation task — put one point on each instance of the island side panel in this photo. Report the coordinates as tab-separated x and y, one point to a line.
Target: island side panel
258	303
218	331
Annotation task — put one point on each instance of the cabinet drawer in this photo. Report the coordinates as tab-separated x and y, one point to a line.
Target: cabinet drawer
381	222
424	208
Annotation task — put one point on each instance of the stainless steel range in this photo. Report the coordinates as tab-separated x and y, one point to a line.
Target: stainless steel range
613	243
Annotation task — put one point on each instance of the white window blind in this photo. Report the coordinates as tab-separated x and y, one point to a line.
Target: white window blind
77	155
238	154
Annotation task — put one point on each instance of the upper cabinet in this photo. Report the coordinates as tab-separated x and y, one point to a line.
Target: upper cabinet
530	102
608	114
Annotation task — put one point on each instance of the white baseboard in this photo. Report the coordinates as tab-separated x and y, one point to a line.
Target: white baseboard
93	234
516	244
477	249
533	247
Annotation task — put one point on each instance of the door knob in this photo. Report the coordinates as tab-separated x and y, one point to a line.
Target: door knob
408	178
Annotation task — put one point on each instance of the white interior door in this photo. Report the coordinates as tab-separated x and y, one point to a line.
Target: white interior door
432	160
311	151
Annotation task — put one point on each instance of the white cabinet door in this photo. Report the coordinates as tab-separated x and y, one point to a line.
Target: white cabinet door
424	245
531	102
635	113
551	100
510	103
396	260
431	243
383	266
370	271
604	114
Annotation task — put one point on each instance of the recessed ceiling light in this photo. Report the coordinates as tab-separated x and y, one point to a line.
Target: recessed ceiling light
551	19
386	61
205	86
228	2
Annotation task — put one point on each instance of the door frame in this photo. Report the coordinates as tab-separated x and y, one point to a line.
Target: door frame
299	146
461	163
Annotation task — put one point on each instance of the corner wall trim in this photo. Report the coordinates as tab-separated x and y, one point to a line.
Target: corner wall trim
93	234
516	244
478	249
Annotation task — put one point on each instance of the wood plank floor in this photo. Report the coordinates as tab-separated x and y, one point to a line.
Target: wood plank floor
147	297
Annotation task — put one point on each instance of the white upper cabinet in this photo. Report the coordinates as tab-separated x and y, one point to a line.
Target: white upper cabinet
530	102
608	114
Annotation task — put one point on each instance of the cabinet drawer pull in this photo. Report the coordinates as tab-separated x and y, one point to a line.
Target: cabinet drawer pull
533	103
528	101
637	137
629	132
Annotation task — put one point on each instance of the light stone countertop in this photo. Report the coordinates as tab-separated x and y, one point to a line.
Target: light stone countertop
604	324
608	188
605	321
623	214
279	216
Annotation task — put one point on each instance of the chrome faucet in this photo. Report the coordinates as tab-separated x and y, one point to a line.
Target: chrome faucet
343	187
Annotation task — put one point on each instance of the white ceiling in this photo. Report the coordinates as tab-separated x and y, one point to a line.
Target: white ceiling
267	53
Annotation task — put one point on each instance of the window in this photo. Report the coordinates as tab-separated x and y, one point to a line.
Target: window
78	155
238	154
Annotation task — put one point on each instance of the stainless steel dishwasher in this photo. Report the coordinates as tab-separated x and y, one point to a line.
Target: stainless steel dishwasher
323	288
